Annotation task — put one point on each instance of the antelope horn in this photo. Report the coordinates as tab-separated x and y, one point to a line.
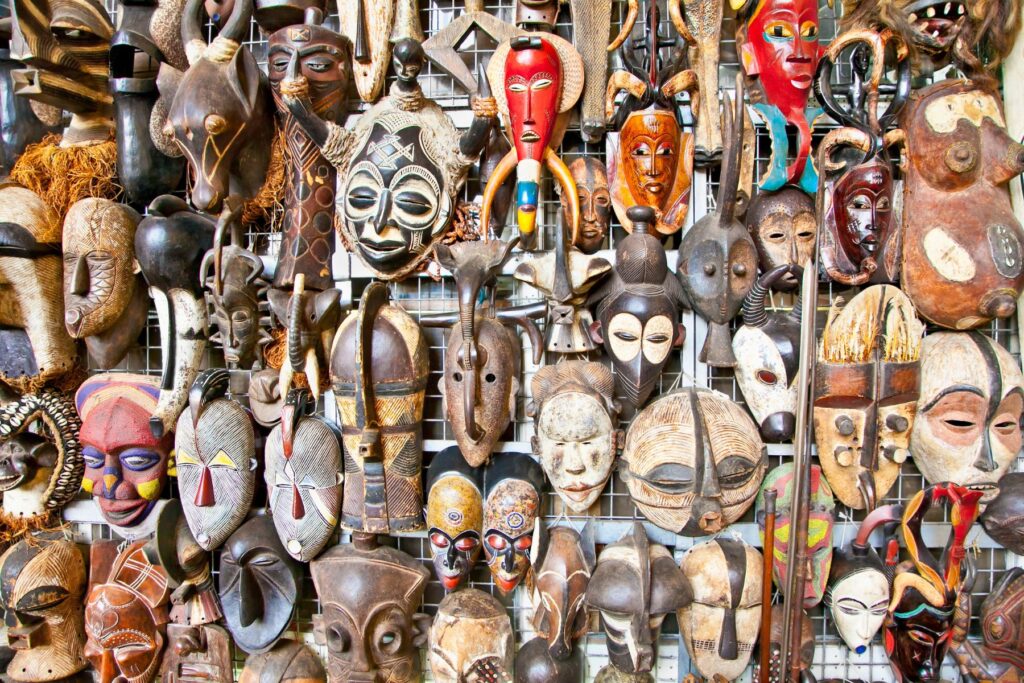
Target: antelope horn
754	314
627	25
494	183
675	13
851	137
236	27
183	325
192	31
619	81
684	81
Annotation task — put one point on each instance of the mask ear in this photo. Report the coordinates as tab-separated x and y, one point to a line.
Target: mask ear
680	336
421	629
595	332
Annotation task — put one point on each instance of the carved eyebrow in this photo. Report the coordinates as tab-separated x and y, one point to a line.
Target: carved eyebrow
952	390
852	599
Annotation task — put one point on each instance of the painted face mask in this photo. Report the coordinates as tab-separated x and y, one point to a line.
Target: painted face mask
1003	518
513	500
638	310
42	583
286	662
304	477
693	462
125	465
196	654
972	397
591	180
471	639
454	516
369	596
636	583
721	625
575	418
560	588
784	227
821	521
861	226
865	396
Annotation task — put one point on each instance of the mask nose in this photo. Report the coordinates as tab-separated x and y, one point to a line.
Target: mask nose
204	494
573	463
110	482
298	509
985	462
451	556
508	562
250	606
80	277
383	211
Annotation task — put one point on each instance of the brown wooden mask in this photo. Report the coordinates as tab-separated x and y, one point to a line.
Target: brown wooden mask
595	203
560	586
699	24
370	596
576	435
963	258
693	462
38	347
471	639
1003	518
784	229
196	654
968	429
454	513
865	397
379	369
42	582
636	583
721	625
513	503
286	662
1002	616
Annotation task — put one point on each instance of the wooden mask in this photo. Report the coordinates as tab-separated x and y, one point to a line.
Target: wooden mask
214	453
304	477
972	397
40	470
105	299
379	369
560	587
537	15
576	435
126	617
721	625
169	245
286	662
471	639
1003	518
258	585
42	582
636	583
370	596
1002	614
638	310
368	27
38	347
221	116
693	461
963	259
784	229
866	385
125	465
196	654
274	15
455	509
717	257
821	521
591	180
513	502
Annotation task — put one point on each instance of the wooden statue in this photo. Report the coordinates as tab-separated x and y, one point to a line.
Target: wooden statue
513	507
286	662
455	509
1003	517
784	228
471	639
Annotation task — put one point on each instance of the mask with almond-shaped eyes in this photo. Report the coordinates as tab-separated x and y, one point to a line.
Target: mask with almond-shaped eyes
454	516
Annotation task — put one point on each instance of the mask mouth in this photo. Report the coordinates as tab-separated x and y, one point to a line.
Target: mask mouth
655	188
529	136
937	23
11	481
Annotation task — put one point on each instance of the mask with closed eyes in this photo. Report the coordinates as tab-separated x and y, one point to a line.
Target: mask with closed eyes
454	516
693	461
972	397
595	203
471	639
784	226
513	501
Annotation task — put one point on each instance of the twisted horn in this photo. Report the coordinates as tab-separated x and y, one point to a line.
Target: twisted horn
754	314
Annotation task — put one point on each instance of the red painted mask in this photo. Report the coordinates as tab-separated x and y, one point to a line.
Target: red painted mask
863	211
781	49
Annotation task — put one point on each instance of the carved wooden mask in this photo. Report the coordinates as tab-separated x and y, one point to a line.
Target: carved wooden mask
42	582
636	583
693	461
972	397
721	625
784	227
379	369
1002	617
560	588
196	654
286	662
471	639
125	465
454	513
513	502
575	417
866	380
1003	516
370	623
595	203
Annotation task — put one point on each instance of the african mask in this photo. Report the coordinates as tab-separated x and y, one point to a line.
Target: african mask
963	260
379	369
40	470
105	299
471	639
575	424
767	350
536	78
636	583
214	452
591	180
454	515
125	465
1003	518
865	396
717	257
721	625
693	461
258	585
304	477
220	115
560	587
537	15
821	520
972	397
368	27
38	348
370	596
42	582
125	619
196	654
987	660
513	502
784	227
638	310
169	245
1001	619
286	662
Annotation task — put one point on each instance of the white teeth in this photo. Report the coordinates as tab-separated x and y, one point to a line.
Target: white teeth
930	13
913	18
948	7
960	9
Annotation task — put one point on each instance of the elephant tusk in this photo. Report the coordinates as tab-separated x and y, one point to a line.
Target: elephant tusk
502	171
565	179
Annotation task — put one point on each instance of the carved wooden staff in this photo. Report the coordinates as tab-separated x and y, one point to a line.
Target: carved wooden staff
766	585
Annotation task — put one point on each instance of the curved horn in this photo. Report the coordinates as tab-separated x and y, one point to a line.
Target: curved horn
295	352
684	81
183	325
192	30
627	25
619	81
754	314
502	171
675	13
841	137
237	25
729	184
569	191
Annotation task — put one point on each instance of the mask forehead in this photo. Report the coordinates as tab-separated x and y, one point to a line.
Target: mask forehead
454	505
533	85
511	508
589	418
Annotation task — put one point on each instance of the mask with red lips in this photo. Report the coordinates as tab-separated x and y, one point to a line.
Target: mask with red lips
513	499
454	516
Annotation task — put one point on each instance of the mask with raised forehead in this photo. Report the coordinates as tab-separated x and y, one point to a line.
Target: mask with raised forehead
454	516
513	503
471	639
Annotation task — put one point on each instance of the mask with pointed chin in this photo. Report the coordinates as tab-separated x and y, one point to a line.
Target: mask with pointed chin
454	516
781	49
533	86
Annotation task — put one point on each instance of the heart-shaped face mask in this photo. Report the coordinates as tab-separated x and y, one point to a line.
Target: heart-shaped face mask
454	516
